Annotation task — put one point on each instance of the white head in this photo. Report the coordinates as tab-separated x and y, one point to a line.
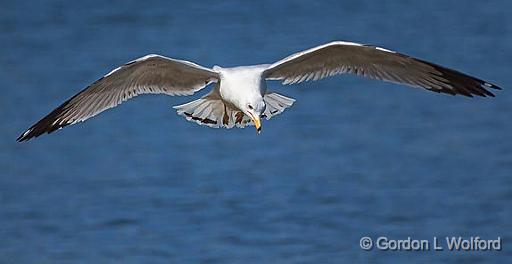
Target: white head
253	107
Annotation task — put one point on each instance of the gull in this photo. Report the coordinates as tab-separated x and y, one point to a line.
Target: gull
240	97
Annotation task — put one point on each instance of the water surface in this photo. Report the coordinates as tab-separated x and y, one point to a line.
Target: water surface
351	158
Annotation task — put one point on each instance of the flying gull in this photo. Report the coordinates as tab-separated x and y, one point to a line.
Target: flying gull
240	97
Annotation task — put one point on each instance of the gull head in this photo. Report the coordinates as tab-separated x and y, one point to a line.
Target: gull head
254	109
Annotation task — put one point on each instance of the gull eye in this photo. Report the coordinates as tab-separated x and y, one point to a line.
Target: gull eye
250	107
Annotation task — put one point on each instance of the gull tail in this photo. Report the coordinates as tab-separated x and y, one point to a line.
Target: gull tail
207	110
276	104
211	111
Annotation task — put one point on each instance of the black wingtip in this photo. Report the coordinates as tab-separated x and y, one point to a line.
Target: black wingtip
47	124
21	138
493	86
460	83
25	136
41	127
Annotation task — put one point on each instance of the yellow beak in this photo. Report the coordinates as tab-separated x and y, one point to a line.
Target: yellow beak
257	123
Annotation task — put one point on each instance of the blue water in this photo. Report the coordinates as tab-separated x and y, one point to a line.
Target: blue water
352	157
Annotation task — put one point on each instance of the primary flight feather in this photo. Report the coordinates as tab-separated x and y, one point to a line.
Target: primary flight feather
240	96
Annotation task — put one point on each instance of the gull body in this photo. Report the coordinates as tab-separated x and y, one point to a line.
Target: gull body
244	87
239	85
240	96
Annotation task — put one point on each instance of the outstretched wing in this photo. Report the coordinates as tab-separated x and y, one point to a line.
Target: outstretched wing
151	74
376	63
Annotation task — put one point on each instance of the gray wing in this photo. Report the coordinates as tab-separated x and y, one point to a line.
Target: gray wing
376	63
151	74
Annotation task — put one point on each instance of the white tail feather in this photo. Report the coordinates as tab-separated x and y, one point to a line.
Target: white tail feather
211	111
207	110
276	104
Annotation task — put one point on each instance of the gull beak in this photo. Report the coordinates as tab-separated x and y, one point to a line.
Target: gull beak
257	123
